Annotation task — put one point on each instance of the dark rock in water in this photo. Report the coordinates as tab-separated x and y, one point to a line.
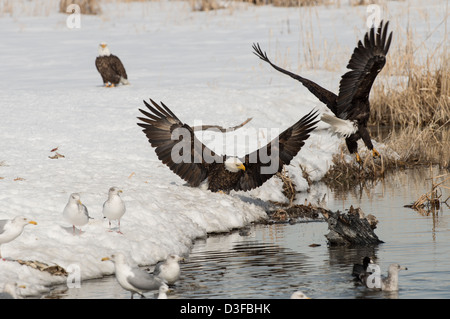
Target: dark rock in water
351	229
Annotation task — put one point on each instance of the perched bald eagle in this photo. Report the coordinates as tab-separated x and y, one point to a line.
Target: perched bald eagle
176	146
110	67
351	108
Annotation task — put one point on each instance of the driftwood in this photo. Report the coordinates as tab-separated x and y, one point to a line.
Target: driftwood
351	229
54	270
293	212
220	128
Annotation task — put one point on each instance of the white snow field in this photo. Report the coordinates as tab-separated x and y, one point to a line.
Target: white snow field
201	65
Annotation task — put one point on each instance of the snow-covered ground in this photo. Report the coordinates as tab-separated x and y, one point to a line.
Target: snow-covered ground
201	65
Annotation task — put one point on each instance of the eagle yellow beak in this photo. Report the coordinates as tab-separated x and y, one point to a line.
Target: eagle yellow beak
242	167
103	45
32	222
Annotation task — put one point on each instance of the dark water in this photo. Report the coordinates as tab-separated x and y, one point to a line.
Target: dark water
273	261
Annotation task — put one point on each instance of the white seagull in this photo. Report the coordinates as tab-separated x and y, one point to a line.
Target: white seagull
299	295
169	270
10	229
390	283
114	207
75	212
134	280
10	291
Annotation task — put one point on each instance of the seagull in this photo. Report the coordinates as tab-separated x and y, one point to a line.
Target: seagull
10	291
75	212
114	207
169	270
389	283
359	269
10	229
134	280
299	295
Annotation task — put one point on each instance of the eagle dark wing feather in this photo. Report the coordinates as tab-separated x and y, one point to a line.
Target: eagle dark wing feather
160	126
325	96
265	162
367	60
118	67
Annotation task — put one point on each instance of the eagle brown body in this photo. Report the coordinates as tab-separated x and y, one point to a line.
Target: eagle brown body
110	67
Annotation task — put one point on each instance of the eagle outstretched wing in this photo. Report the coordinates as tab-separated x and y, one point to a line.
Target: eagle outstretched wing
367	60
325	96
175	144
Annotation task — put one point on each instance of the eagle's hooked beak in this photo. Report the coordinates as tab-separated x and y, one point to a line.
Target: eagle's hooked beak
242	167
103	45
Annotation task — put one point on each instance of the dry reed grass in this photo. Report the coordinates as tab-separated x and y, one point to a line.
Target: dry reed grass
86	6
424	98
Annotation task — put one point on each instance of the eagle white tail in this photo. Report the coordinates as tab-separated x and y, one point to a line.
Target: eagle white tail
124	81
343	128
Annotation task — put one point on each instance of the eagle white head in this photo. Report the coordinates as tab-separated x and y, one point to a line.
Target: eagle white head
103	49
234	165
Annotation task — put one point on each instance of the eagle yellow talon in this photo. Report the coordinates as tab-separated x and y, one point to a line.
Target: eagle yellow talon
375	153
358	158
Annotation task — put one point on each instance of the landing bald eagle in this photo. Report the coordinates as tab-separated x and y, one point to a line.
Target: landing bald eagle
110	67
351	108
197	164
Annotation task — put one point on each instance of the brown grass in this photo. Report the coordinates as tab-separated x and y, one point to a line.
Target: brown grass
424	98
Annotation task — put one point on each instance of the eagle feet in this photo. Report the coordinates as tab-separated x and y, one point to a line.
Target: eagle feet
375	153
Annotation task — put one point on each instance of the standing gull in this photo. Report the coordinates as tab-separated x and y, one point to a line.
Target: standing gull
75	212
134	280
169	270
10	229
114	207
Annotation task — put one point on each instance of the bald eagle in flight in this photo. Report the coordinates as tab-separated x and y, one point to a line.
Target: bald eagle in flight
176	146
350	108
110	67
